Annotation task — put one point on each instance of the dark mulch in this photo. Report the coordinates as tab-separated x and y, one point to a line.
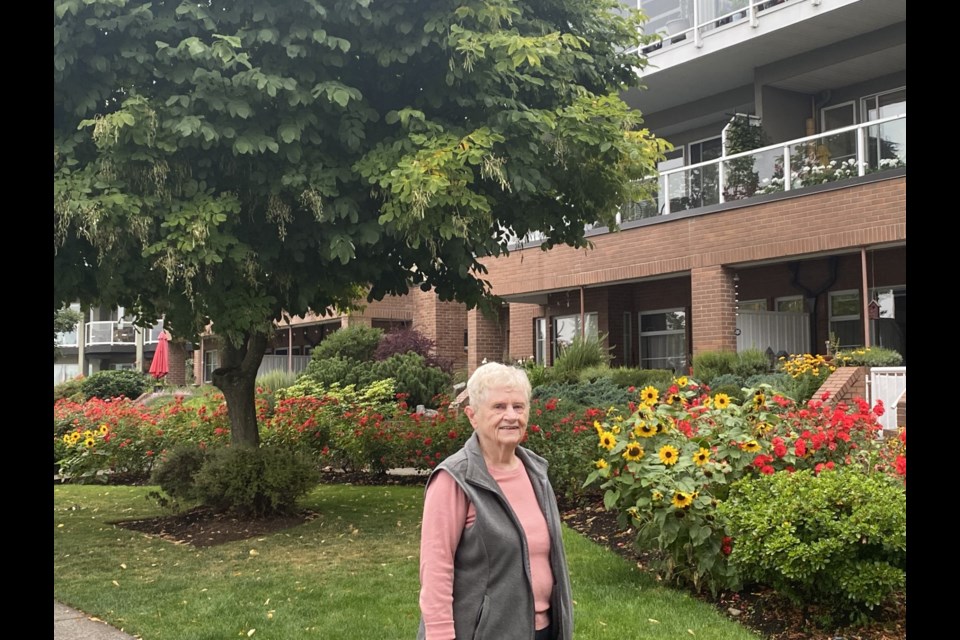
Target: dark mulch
761	610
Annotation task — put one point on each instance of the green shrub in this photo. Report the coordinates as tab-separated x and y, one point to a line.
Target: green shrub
869	357
600	393
338	370
276	380
72	389
116	383
357	343
710	364
255	482
752	362
639	378
175	472
838	538
726	380
582	353
594	373
777	381
733	391
421	383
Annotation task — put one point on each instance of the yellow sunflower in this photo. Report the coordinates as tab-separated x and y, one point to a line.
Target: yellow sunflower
721	401
608	440
649	395
645	430
668	454
681	381
89	442
656	496
702	457
759	400
600	464
675	398
751	445
104	428
682	500
763	428
633	452
598	427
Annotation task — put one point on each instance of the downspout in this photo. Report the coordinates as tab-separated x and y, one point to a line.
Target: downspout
583	326
865	298
815	294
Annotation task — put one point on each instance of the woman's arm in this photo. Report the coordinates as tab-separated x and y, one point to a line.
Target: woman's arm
445	509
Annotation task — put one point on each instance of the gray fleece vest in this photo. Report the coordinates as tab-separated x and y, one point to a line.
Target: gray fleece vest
492	594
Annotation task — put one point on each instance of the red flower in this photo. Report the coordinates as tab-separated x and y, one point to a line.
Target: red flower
901	465
726	545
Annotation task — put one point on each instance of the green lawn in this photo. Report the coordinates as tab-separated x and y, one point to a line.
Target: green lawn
349	574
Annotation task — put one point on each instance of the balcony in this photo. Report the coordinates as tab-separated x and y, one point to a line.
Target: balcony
835	156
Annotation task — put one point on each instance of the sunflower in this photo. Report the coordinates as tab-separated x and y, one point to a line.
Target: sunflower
751	445
633	452
702	457
600	464
721	401
668	454
645	430
656	496
598	427
103	428
649	395
759	400
608	440
763	428
682	500
89	442
675	398
681	381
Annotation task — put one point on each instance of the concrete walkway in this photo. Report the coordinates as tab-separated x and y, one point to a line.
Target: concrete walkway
70	624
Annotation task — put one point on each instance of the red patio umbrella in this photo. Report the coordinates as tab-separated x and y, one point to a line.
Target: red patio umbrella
161	358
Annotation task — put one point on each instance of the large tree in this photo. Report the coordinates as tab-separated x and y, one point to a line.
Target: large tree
229	162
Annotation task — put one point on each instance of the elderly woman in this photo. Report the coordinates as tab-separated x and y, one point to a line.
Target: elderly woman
492	564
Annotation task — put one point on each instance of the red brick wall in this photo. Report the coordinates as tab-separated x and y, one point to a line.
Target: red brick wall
713	310
845	384
521	330
444	322
487	339
848	217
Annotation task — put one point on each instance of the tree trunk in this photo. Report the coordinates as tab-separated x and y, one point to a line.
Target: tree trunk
237	378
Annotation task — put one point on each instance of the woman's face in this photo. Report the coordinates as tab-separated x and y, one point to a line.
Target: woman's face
500	419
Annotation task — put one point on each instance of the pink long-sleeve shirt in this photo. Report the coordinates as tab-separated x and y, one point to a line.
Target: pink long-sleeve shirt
446	512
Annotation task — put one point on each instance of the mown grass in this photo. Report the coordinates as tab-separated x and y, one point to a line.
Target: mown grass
351	573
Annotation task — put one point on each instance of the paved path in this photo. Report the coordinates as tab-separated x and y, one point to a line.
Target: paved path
70	624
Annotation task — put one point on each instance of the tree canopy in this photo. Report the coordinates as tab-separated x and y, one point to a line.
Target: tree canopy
232	162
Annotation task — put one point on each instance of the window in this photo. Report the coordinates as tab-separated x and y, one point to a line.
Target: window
663	340
886	141
845	326
705	181
211	361
888	327
752	305
540	340
841	146
673	186
566	328
791	304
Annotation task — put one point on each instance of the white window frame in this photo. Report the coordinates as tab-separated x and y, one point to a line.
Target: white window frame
832	295
644	360
787	301
760	304
540	340
211	361
592	328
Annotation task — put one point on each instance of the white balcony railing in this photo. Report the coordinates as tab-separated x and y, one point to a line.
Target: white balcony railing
833	156
110	332
837	155
677	21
